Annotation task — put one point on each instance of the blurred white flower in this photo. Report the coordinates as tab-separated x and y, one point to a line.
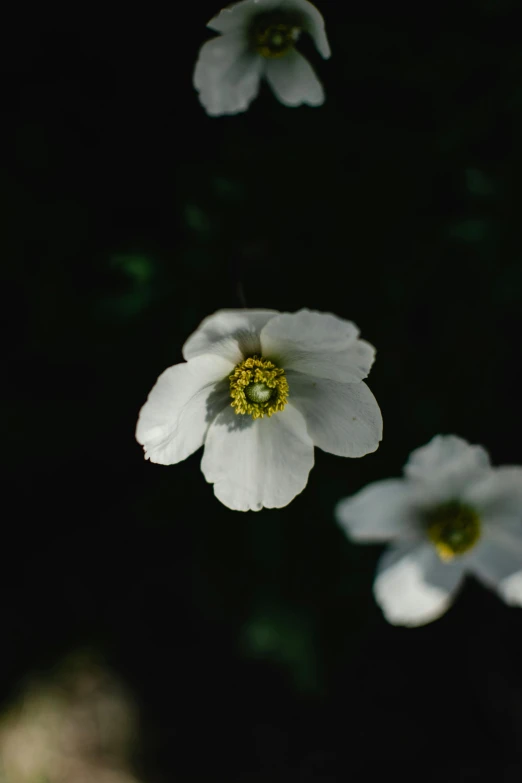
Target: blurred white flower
451	514
259	389
258	39
78	725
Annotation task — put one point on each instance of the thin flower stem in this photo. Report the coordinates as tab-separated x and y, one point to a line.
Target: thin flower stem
241	293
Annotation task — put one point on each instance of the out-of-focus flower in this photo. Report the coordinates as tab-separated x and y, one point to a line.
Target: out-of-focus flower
258	39
259	389
451	514
77	726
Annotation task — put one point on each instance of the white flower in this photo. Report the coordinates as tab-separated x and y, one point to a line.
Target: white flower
259	389
258	39
452	514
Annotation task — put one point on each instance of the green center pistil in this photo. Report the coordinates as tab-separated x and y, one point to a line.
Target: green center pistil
258	388
258	392
453	528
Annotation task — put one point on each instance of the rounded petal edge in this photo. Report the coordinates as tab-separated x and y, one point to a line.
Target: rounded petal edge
294	81
180	407
412	586
498	495
232	334
447	465
227	75
234	16
319	344
315	26
381	511
342	418
258	464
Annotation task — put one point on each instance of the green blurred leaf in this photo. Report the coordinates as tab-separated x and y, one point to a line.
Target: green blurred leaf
281	635
478	184
133	278
197	220
228	189
472	230
140	269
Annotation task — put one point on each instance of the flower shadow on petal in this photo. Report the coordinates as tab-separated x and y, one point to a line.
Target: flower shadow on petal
238	423
226	417
217	400
248	342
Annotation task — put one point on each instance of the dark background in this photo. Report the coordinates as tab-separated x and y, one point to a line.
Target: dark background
251	641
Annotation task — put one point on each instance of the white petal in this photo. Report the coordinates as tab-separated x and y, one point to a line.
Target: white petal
498	563
381	511
182	404
446	466
497	496
413	586
293	80
227	74
342	418
240	14
511	589
234	16
319	344
256	464
232	334
314	25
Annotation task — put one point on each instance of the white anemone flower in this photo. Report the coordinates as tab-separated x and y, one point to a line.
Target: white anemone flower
259	389
257	40
451	514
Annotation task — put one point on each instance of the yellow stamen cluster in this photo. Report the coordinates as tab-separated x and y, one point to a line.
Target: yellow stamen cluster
274	35
453	528
258	388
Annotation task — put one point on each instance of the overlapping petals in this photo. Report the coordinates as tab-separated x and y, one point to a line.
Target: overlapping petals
229	69
184	401
498	564
449	462
264	461
314	25
319	344
498	496
418	576
237	17
231	334
413	586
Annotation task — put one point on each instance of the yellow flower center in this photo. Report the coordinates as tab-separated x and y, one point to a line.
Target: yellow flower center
274	34
453	528
258	387
276	40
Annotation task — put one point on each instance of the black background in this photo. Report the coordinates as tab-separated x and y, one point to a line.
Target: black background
251	641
